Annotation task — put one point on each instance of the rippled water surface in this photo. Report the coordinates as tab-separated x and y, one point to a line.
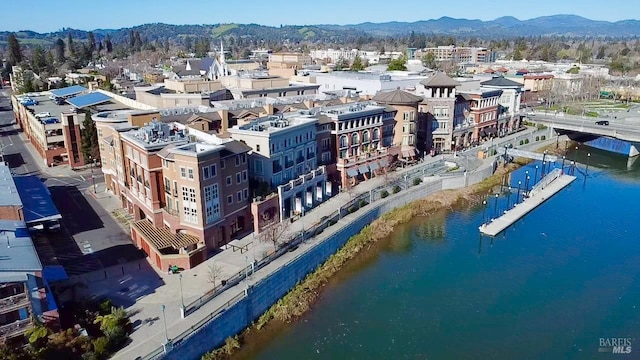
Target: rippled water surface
549	288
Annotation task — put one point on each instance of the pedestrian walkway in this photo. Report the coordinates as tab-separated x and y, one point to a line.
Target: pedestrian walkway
174	291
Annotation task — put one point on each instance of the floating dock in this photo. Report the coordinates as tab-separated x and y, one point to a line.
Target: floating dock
498	225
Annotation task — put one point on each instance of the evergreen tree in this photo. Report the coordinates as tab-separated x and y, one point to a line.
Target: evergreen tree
38	59
89	145
398	64
70	46
91	42
357	65
59	48
15	53
108	45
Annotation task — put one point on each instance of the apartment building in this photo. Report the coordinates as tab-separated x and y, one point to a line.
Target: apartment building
24	294
509	102
187	190
438	107
469	55
482	112
287	64
285	156
405	131
363	134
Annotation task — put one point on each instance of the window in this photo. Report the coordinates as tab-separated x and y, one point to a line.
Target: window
183	172
238	178
343	141
222	164
230	199
190	172
205	173
355	139
212	203
326	157
189	205
258	147
408	116
245	193
243	158
167	185
325	144
237	160
239	196
244	176
376	134
257	166
365	136
229	181
165	164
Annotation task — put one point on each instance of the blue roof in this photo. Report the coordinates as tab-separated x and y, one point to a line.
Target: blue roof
68	91
18	254
36	200
93	98
54	273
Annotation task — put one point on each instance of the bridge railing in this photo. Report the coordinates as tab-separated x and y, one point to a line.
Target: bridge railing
548	179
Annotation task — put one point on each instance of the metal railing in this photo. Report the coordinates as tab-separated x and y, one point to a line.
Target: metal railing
15	328
13	302
548	179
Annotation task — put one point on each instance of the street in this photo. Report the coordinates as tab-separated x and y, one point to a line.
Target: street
89	239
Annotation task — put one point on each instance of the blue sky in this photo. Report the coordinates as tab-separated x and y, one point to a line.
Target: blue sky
52	15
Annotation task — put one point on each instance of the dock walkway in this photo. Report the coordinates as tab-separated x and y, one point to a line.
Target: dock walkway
511	216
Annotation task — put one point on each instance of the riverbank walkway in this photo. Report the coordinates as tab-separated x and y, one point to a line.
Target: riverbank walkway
146	293
496	226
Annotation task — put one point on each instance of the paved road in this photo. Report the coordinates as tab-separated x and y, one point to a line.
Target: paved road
90	238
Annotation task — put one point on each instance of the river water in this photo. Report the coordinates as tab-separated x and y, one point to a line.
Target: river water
551	287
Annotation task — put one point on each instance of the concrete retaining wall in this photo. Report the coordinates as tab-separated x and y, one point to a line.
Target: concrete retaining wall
267	292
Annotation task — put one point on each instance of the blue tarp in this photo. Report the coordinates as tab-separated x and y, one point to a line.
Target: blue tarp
54	273
36	200
68	91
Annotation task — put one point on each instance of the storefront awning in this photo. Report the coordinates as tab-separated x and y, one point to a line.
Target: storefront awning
352	172
490	130
374	166
363	169
383	162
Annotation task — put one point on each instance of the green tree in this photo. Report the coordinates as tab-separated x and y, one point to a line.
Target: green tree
89	145
38	59
516	55
429	60
71	51
91	42
59	48
38	335
108	45
398	64
357	65
342	64
13	49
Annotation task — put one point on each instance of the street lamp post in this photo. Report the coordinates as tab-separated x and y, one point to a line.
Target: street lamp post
182	307
588	158
455	151
526	181
535	176
509	198
495	210
563	158
518	198
484	212
573	168
164	320
575	155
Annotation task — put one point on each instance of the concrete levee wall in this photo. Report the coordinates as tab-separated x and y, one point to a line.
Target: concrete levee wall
262	295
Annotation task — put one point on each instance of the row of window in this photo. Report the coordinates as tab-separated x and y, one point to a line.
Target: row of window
240	196
355	138
287	143
352	124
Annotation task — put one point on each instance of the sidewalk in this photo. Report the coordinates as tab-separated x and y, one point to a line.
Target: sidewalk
173	290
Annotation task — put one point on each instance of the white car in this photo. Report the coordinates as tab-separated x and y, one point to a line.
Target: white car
41	115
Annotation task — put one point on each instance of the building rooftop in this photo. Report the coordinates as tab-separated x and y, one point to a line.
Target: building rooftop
276	123
350	109
36	199
156	135
397	97
8	189
439	79
18	252
500	81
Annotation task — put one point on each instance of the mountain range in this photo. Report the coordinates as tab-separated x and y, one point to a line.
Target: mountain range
503	27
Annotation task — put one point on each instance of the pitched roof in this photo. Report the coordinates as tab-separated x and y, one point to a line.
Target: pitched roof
523	71
502	69
489	71
396	97
439	79
500	81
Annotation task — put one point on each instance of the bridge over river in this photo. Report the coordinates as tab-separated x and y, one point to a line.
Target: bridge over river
618	137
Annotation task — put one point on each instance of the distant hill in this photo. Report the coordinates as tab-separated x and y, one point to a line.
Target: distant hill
507	26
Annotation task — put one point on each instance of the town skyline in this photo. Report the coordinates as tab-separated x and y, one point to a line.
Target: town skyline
49	17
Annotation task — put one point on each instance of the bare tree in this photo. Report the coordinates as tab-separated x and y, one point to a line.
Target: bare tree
275	232
389	175
214	272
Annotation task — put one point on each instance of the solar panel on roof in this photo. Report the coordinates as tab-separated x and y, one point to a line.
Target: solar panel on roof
93	98
68	91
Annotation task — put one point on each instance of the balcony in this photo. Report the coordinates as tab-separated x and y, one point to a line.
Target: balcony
276	168
14	302
14	329
311	155
300	159
371	155
288	164
170	211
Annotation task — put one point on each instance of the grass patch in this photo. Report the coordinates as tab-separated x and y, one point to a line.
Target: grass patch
223	28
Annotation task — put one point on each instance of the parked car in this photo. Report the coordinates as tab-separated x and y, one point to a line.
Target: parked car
29	102
43	114
602	122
